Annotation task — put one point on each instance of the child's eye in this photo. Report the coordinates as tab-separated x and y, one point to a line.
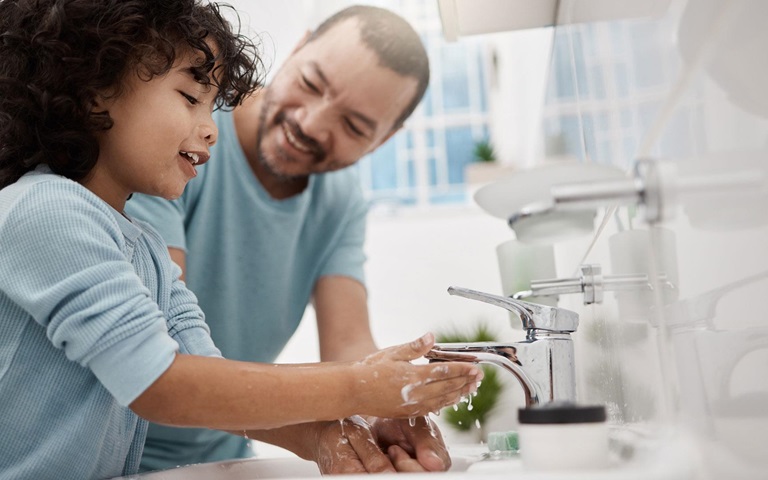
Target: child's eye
192	100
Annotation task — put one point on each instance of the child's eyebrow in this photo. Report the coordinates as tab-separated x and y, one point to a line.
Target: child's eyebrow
194	75
191	72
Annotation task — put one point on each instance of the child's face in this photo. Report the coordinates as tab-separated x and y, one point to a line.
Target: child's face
160	126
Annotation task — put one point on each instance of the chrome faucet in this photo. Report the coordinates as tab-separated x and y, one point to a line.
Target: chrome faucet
543	363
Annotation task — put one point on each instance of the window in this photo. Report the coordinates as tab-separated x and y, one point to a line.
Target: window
424	162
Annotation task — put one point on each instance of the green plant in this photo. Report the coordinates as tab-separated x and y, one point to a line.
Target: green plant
474	414
484	151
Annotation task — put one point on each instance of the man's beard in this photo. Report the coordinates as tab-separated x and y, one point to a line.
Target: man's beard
270	164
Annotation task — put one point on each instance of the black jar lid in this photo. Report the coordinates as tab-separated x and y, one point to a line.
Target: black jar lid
561	412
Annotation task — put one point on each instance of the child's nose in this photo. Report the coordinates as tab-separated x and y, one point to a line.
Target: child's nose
209	131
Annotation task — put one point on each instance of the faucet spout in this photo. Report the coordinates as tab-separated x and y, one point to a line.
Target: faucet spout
543	365
503	356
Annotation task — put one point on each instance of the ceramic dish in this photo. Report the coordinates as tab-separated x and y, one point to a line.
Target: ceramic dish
523	199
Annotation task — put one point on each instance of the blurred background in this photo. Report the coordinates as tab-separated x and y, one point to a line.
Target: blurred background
521	85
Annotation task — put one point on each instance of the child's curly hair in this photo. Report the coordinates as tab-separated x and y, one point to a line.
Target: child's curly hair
57	56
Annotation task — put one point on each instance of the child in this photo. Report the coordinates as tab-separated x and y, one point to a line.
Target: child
100	99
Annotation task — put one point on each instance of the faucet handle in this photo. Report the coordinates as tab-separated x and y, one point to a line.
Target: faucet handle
533	315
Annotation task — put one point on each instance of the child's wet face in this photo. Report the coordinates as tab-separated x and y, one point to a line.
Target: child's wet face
162	129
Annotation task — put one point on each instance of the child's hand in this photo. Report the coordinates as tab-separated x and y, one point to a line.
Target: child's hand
393	387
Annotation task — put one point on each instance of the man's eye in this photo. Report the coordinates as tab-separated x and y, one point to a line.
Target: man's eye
354	129
310	85
192	100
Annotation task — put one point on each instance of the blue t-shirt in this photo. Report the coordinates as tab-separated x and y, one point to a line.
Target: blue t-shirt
90	306
253	262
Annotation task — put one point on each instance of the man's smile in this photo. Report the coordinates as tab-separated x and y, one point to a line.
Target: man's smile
295	143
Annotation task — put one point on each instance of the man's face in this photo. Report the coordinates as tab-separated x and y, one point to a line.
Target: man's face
330	104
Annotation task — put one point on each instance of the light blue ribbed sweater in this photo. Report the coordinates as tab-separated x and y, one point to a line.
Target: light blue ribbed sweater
253	262
91	314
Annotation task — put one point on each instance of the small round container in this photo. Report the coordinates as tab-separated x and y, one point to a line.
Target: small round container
563	436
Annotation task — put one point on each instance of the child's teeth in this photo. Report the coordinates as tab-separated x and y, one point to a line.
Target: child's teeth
192	156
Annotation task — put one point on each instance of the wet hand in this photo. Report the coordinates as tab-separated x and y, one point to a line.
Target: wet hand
393	387
420	439
349	446
403	462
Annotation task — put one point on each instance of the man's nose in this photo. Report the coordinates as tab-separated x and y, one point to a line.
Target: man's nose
315	121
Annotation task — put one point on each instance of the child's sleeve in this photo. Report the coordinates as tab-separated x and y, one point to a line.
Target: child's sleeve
72	278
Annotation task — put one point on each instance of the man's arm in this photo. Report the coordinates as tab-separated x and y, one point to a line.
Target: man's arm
341	307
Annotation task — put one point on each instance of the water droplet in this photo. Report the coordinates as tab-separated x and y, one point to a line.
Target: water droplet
477	423
412	421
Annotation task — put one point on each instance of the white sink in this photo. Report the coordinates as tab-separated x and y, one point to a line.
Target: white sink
261	468
668	460
246	469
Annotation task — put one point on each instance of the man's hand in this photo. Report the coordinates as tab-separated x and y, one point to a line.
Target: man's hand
353	445
402	461
349	446
422	442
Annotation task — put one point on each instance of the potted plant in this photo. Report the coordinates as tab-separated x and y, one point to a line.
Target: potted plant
484	166
484	152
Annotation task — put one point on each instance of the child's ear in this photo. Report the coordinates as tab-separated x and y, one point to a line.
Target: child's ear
101	102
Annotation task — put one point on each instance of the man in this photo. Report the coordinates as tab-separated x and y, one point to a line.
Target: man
275	219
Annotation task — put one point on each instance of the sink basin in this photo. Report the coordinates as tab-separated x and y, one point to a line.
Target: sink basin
288	467
260	468
245	469
670	459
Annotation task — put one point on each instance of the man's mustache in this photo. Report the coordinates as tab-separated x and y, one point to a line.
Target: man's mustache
315	149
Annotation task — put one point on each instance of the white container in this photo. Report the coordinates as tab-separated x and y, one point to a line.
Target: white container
563	436
520	263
